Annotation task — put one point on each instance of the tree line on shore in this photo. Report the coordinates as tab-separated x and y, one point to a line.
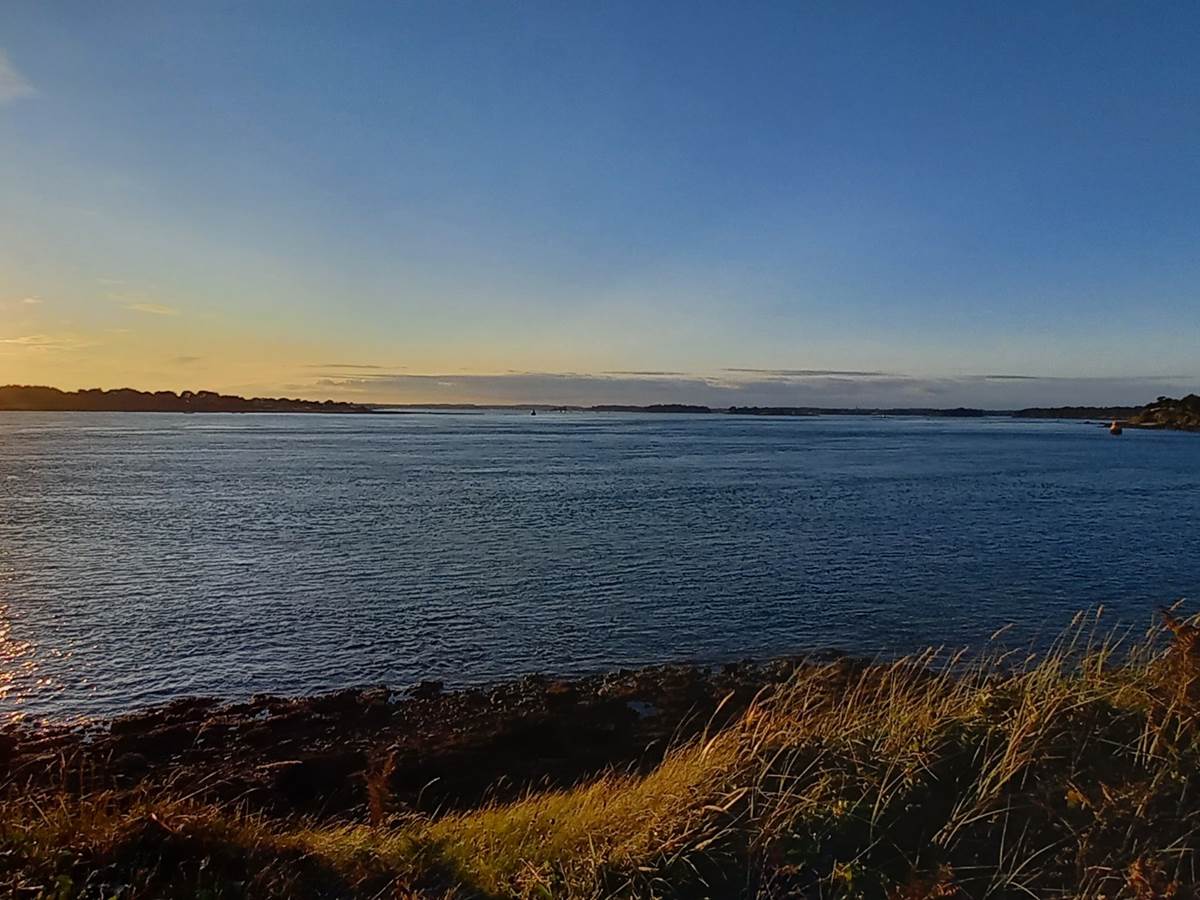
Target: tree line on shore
49	399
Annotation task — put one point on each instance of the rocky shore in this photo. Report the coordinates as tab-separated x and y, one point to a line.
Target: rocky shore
1165	412
1076	770
429	748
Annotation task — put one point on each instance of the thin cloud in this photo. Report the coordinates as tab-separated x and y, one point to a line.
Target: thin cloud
1079	378
13	85
31	301
342	366
812	373
186	360
152	309
647	374
46	342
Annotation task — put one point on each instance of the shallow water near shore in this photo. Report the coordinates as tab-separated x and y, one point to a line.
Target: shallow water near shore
147	557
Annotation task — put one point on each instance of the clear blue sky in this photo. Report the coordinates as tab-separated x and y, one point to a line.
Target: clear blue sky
531	201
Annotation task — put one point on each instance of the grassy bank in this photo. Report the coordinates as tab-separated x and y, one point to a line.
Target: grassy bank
1072	773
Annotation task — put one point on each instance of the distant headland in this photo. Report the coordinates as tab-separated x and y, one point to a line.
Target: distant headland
47	399
1164	412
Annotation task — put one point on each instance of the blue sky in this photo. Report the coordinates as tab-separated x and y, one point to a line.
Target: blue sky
875	203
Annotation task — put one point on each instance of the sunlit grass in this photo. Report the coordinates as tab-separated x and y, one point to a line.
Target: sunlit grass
1074	772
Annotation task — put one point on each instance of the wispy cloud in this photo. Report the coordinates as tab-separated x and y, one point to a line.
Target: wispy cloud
152	309
13	85
342	366
186	360
812	373
46	342
20	303
28	340
647	374
1080	379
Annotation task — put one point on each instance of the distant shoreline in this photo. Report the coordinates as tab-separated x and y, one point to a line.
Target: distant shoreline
31	398
1164	413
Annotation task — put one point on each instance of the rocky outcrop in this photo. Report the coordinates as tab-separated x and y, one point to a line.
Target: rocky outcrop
443	749
1181	415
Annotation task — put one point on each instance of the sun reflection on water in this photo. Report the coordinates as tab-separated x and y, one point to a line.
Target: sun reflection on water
19	670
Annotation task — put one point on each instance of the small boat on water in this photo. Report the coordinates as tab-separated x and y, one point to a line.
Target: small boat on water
1115	427
533	412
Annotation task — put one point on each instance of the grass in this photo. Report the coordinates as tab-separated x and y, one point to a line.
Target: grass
1072	773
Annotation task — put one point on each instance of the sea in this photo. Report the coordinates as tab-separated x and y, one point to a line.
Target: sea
147	557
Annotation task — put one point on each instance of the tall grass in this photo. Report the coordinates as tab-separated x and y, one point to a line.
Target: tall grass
1070	773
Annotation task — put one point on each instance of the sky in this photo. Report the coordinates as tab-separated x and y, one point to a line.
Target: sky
841	203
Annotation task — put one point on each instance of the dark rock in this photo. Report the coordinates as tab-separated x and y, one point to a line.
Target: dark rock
375	713
338	703
8	749
213	735
376	695
51	742
164	741
189	709
137	723
308	780
427	690
133	765
561	693
642	709
258	736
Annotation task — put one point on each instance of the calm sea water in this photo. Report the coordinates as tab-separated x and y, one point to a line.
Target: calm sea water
145	557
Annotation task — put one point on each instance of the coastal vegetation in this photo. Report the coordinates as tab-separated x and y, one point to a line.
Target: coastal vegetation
1183	415
1165	412
1074	772
48	399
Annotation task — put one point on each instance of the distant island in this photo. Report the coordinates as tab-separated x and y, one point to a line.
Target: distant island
47	399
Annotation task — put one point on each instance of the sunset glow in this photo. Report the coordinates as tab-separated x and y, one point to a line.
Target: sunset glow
538	205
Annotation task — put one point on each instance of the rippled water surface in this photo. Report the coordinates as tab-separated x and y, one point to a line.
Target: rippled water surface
144	557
